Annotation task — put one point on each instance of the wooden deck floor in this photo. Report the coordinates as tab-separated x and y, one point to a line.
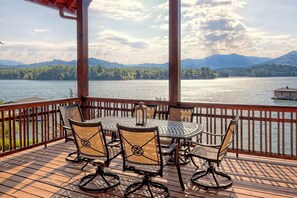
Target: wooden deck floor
41	172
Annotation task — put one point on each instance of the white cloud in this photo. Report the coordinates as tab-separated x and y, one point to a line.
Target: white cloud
121	10
216	26
122	39
119	47
41	30
35	51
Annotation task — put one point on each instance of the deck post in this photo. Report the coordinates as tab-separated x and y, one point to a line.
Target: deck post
174	52
82	52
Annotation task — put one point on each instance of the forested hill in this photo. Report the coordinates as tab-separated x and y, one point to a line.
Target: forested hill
62	72
263	70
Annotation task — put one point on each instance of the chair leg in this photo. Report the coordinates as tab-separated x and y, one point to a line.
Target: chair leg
70	158
197	176
86	183
194	163
146	182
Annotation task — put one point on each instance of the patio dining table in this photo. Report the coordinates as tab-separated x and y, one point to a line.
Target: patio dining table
169	129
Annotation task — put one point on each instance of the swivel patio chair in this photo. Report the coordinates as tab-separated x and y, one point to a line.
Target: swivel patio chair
142	154
213	155
70	112
92	147
185	114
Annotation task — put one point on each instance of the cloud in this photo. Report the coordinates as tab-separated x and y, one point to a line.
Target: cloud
41	30
121	10
35	51
122	39
212	26
120	47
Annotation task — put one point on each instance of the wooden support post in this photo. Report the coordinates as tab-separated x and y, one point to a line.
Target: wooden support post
174	52
82	52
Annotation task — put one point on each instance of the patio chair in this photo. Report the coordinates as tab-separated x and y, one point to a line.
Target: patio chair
179	113
142	154
213	155
91	145
70	112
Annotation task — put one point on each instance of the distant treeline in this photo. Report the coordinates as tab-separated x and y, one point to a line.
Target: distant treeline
62	72
264	70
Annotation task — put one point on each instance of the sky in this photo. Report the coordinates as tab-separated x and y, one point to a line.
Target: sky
136	31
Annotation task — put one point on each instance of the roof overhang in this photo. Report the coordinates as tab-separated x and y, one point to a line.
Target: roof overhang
69	6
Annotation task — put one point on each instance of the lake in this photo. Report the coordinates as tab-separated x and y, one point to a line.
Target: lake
257	91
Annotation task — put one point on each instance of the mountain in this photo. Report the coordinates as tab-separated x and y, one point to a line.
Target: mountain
9	63
214	62
155	65
47	63
95	62
217	61
92	62
287	59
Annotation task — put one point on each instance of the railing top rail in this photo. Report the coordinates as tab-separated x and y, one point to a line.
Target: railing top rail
129	101
205	105
13	106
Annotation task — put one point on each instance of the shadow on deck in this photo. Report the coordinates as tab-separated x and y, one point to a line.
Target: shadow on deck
43	172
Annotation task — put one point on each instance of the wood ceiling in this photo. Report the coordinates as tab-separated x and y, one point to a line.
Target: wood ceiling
66	5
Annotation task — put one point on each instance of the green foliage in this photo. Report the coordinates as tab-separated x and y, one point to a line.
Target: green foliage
263	70
60	72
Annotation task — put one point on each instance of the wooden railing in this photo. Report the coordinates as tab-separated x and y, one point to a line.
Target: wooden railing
26	125
262	130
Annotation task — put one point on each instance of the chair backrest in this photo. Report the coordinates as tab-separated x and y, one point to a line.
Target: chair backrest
89	139
228	137
150	113
70	112
140	146
178	113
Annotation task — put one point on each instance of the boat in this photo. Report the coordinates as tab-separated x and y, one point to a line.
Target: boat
285	93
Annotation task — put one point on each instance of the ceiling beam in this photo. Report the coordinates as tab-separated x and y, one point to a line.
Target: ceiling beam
70	4
58	4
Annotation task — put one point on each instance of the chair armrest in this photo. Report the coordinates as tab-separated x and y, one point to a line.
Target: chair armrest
169	150
66	127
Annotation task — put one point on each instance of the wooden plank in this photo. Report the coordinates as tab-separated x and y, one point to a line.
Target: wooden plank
40	169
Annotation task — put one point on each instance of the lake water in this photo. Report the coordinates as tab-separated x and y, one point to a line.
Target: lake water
256	91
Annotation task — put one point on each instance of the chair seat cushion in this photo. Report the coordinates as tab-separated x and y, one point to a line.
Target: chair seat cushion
113	153
204	152
143	168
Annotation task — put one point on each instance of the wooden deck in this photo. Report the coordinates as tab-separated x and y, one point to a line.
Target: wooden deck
43	172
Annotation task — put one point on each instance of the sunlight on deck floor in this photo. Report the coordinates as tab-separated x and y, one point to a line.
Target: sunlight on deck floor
43	172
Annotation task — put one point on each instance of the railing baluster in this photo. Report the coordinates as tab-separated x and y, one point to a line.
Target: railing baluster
14	130
2	132
291	133
283	133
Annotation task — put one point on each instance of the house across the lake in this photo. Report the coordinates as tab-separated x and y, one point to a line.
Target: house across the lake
285	93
